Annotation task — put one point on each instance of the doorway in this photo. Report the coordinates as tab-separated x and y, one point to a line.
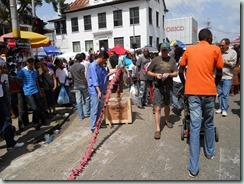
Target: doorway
104	44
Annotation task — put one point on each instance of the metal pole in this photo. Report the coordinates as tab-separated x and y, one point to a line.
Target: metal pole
14	19
33	16
33	8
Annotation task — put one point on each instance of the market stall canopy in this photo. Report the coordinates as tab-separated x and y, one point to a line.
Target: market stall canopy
51	50
179	43
118	49
236	41
36	40
41	53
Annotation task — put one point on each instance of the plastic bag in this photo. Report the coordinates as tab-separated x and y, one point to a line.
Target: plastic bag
63	97
133	90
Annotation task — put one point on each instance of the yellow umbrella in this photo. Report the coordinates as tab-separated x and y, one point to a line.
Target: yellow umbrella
36	40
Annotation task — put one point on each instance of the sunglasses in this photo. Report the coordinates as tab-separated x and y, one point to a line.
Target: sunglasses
221	45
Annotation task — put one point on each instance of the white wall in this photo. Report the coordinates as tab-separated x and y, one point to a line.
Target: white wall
184	29
143	29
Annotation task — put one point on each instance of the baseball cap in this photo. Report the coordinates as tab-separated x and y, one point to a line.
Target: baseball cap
165	46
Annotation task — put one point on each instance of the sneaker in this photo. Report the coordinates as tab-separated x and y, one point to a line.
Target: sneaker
168	124
92	130
157	135
17	145
210	158
218	111
224	113
192	175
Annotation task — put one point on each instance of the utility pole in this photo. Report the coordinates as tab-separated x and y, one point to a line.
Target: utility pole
14	19
208	24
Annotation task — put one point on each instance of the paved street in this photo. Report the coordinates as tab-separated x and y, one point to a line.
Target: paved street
127	152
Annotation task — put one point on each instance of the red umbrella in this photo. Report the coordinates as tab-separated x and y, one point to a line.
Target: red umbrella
118	49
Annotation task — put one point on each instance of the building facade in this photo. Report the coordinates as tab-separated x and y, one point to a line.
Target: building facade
106	23
184	29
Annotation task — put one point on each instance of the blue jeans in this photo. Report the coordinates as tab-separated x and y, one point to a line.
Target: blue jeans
143	93
96	107
6	124
177	102
223	94
79	94
201	109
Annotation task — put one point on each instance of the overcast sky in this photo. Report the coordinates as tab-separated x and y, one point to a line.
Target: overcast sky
223	15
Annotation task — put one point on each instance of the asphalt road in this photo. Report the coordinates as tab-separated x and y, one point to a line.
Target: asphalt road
127	152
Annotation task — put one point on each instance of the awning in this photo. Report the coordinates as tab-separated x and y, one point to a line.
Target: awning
51	50
118	49
37	40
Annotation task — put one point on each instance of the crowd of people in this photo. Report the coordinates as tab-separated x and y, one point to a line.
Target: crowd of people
204	70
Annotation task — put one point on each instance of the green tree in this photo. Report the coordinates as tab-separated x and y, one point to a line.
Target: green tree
25	9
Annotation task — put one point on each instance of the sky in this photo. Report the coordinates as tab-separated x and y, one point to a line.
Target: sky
223	16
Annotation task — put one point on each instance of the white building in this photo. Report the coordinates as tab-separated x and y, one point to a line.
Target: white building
105	23
184	29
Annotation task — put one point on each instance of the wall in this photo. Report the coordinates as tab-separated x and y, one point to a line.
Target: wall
112	32
184	29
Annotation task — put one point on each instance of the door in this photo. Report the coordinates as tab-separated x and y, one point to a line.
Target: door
103	44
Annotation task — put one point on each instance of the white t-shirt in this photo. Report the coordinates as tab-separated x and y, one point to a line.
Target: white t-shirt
61	75
86	64
132	68
1	86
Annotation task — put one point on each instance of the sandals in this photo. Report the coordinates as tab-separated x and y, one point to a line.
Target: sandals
157	135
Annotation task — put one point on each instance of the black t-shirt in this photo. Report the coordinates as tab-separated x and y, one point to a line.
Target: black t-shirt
163	65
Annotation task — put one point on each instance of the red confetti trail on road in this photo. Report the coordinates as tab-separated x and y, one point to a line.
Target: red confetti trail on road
88	154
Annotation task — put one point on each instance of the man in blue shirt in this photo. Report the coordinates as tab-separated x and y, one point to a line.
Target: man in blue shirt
28	79
97	85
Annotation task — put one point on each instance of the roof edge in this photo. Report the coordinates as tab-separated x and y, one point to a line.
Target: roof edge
99	5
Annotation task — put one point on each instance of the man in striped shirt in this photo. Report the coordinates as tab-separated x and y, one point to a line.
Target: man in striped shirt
28	79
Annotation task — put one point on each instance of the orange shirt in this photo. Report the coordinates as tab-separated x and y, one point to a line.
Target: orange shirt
201	60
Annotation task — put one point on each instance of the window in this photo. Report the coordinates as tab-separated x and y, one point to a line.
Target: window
89	44
163	22
119	41
138	41
157	19
60	27
74	24
134	16
150	16
76	46
150	40
102	20
87	22
157	42
118	18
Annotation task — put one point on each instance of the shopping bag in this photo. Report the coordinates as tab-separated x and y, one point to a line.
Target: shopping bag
133	90
63	97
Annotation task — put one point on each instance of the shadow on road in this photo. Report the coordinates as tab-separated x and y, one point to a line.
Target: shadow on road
31	138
